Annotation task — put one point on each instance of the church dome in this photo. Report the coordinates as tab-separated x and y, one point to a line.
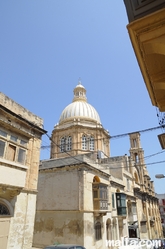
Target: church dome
79	108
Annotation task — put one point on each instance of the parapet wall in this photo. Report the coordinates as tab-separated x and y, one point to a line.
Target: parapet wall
20	110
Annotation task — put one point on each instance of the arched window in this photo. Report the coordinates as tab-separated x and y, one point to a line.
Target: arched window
62	144
134	143
69	143
84	142
66	144
136	158
98	231
108	230
4	210
91	143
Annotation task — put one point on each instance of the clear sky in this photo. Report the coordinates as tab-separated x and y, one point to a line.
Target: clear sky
46	45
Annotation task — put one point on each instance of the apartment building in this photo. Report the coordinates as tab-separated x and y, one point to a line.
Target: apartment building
20	141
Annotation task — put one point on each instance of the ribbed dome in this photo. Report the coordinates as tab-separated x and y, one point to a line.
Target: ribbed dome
79	108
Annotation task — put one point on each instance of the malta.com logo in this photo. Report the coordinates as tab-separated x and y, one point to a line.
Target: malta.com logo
136	243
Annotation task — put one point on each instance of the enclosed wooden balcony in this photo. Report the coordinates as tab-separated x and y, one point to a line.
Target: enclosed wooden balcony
100	198
121	204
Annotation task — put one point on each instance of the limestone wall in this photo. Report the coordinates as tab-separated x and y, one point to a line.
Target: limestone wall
19	110
58	227
22	223
58	191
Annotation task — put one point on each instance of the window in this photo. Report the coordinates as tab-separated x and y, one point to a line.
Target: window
134	143
100	196
2	148
13	138
91	143
103	192
121	204
88	143
134	210
98	231
3	133
21	155
113	200
108	229
66	144
62	144
12	147
22	142
4	210
163	201
69	143
84	142
136	158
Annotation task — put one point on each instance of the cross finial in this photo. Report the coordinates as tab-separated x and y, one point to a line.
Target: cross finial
79	81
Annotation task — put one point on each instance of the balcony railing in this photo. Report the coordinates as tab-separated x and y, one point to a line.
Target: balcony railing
100	204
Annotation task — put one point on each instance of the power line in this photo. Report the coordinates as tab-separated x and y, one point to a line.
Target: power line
154	154
64	151
135	165
140	131
109	157
116	136
113	137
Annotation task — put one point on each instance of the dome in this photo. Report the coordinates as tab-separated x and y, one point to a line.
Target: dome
79	108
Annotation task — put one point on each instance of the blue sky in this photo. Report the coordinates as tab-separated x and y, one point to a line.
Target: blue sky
46	45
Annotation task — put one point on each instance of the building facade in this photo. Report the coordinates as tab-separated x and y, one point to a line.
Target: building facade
87	197
20	140
146	29
149	221
161	198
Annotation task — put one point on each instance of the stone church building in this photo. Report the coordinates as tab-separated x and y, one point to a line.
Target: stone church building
87	197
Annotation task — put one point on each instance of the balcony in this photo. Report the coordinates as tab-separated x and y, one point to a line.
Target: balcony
12	174
141	8
132	211
100	204
100	198
100	207
122	211
147	35
121	204
161	138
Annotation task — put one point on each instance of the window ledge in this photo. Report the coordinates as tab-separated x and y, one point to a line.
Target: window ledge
13	164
